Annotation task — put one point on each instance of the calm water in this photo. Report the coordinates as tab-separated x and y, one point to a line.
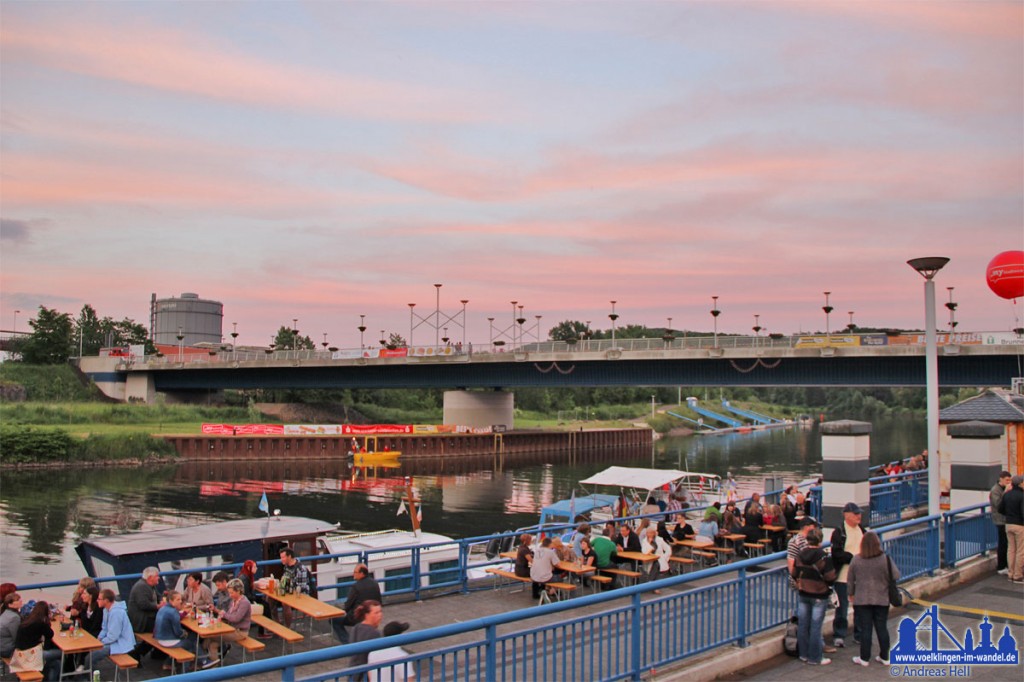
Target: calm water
43	514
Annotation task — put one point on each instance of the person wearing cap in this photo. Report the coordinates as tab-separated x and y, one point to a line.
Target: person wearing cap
396	672
797	544
845	545
1012	507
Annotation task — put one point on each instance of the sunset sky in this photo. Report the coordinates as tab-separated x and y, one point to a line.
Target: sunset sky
322	160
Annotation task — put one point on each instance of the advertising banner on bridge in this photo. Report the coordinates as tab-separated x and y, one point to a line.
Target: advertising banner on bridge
431	351
433	428
371	429
392	352
243	429
313	429
474	429
1002	338
874	340
823	341
918	339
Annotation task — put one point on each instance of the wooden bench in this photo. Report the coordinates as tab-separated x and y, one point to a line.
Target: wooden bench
177	654
600	580
562	591
622	573
705	558
508	575
123	662
681	562
251	646
754	548
723	553
272	626
28	675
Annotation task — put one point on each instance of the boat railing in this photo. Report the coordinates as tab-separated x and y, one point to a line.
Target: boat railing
742	599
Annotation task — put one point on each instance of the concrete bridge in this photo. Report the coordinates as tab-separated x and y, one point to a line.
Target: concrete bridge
967	359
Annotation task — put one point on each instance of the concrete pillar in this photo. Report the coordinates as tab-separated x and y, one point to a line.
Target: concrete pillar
140	386
479	408
845	454
977	452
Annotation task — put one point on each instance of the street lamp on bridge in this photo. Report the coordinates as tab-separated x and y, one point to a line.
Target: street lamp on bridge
828	311
951	306
362	328
715	312
928	268
612	316
850	327
16	321
234	335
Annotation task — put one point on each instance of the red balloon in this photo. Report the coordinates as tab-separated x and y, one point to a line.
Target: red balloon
1005	274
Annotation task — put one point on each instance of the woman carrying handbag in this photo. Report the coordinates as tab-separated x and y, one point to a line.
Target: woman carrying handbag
872	575
33	646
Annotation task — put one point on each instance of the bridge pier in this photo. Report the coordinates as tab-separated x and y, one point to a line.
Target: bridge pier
479	408
846	455
140	387
977	455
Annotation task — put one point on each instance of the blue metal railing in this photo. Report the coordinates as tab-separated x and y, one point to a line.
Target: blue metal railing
968	532
631	636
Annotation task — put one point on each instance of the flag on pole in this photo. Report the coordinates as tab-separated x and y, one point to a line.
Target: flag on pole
401	509
572	507
264	506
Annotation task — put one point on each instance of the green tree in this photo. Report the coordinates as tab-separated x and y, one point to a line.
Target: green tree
568	330
87	329
288	339
125	332
51	339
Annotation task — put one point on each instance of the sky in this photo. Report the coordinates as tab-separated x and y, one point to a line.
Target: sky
325	160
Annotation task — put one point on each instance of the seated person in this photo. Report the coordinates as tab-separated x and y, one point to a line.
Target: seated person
604	549
544	566
168	630
221	597
752	528
627	541
652	543
588	557
237	614
708	529
35	628
116	636
564	553
663	533
524	556
683	529
196	594
10	620
730	523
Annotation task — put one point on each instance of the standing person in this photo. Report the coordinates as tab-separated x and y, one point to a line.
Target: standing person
116	635
10	620
995	496
814	574
797	544
168	630
296	576
368	616
868	581
365	588
36	628
845	545
1012	507
653	543
238	615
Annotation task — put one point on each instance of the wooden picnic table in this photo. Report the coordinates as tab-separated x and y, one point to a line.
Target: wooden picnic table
575	568
215	627
311	606
69	645
694	544
508	555
638	556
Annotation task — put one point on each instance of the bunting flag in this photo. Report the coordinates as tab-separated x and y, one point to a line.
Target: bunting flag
401	509
264	505
572	507
419	514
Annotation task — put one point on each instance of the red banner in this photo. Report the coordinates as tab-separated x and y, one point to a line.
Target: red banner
369	429
396	353
244	429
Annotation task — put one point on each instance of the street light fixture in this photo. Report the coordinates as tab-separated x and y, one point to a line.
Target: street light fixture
928	268
16	321
324	344
612	316
181	345
234	335
951	306
715	312
828	310
850	327
757	325
412	307
362	328
437	315
464	302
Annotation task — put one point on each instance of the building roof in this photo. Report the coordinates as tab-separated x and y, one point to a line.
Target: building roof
990	406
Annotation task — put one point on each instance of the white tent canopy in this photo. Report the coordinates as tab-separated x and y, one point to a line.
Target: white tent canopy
640	479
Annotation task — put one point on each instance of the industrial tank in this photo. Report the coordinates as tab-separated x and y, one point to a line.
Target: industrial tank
199	320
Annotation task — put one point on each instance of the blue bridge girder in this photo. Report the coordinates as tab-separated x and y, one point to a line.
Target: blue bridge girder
967	367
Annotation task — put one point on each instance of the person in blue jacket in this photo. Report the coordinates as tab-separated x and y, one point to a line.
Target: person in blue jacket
116	636
168	631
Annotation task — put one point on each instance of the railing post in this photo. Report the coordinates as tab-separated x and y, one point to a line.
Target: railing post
490	653
635	639
288	674
934	559
949	531
741	607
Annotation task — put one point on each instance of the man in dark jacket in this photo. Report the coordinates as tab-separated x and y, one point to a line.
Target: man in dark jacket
627	541
845	544
364	589
995	496
143	604
1012	507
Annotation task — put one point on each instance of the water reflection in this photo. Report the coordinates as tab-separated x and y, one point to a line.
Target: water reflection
44	513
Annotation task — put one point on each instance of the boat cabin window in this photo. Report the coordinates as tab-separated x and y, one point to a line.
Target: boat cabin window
397	579
444	571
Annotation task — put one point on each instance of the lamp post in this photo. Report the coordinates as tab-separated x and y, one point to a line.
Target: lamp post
514	323
412	307
928	268
715	312
537	326
464	302
362	329
612	316
850	327
324	344
181	344
295	333
951	306
383	342
828	310
16	321
234	335
437	315
757	328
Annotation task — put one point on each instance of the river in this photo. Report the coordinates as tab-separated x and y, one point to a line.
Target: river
44	513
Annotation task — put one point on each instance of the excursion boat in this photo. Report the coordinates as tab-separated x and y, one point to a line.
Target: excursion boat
201	547
650	490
